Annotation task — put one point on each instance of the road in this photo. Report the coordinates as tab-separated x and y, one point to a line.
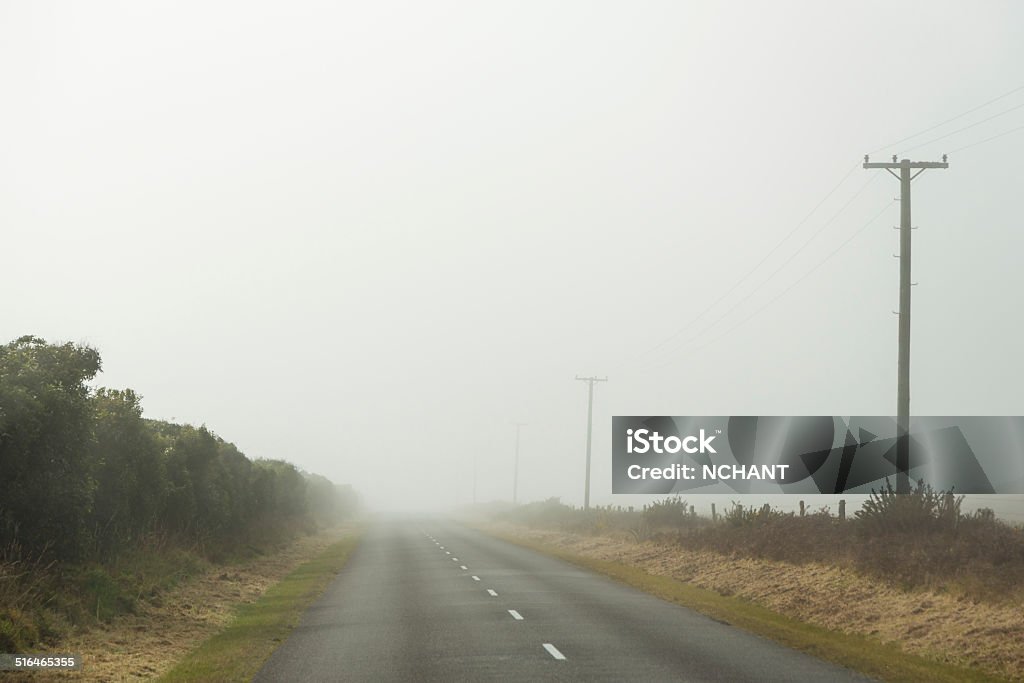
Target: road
435	601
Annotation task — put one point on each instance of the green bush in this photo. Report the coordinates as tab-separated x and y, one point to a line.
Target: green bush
922	511
103	595
673	513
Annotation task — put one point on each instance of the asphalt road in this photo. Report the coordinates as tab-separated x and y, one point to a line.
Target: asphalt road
435	601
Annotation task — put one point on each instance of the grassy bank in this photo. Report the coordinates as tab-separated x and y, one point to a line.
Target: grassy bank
43	602
940	548
237	652
884	661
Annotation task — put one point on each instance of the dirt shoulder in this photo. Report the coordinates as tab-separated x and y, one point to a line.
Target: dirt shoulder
146	644
939	626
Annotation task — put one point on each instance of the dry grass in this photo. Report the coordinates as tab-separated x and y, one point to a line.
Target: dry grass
954	629
164	629
939	548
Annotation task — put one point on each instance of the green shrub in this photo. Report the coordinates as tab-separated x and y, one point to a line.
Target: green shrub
103	594
673	512
922	511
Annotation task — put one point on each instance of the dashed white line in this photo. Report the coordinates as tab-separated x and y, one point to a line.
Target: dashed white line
463	567
476	578
553	651
491	591
447	552
516	615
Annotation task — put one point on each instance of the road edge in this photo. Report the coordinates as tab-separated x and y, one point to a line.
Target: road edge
883	661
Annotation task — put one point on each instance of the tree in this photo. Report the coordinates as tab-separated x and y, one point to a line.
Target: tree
131	481
46	440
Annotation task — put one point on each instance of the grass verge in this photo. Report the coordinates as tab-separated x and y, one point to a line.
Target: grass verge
884	661
238	652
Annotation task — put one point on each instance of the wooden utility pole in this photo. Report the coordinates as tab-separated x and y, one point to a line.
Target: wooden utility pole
515	475
590	424
903	366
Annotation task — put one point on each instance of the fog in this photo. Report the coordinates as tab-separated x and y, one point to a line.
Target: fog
369	238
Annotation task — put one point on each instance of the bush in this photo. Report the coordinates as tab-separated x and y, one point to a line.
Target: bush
922	511
673	513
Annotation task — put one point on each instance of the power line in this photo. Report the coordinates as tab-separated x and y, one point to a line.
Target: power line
960	130
750	272
785	263
958	116
981	142
792	286
786	237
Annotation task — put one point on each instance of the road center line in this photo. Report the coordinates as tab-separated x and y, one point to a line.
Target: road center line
476	578
553	651
463	567
516	615
491	591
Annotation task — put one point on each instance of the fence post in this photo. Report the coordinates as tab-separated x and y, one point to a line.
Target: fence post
802	508
693	512
842	509
714	514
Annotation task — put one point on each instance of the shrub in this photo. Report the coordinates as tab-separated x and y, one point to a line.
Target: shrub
673	512
922	511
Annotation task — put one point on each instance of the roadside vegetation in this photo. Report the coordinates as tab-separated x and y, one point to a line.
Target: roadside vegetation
238	651
909	588
921	540
101	508
885	661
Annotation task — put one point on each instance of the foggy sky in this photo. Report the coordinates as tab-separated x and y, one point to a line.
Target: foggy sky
368	238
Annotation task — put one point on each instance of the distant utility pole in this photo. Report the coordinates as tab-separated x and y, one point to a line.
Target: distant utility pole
515	476
590	424
903	367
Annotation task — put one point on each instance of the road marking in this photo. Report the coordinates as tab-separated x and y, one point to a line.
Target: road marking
476	578
491	591
516	615
442	547
553	651
447	552
463	567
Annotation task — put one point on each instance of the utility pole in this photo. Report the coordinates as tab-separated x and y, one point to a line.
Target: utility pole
515	476
903	366
590	424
